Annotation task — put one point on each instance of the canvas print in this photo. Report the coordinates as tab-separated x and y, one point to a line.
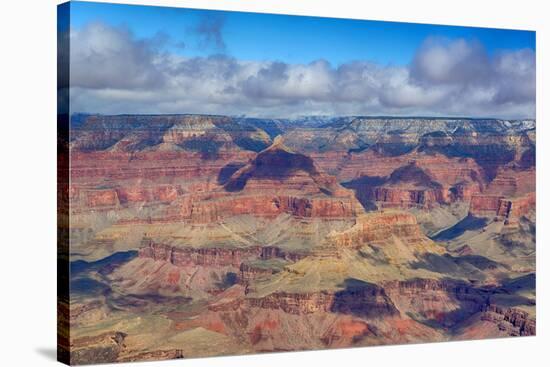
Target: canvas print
234	183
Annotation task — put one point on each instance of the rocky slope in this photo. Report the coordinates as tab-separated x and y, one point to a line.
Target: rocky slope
208	235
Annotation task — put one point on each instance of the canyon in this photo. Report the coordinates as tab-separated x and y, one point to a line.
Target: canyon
203	235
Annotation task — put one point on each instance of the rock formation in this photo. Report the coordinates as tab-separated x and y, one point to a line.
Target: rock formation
195	235
509	196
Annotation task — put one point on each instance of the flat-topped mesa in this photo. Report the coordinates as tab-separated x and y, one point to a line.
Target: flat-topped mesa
187	256
379	228
135	133
511	195
213	256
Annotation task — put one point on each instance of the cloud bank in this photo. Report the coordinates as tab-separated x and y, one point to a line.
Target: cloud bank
114	72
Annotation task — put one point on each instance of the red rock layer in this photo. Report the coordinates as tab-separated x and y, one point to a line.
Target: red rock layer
267	206
364	301
102	198
142	177
440	300
179	256
510	195
513	209
389	197
136	194
108	198
485	204
213	256
392	179
445	170
89	167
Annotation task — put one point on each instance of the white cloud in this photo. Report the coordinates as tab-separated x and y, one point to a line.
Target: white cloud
113	72
440	61
107	57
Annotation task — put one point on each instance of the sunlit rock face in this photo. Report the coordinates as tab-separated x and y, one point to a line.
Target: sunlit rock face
198	235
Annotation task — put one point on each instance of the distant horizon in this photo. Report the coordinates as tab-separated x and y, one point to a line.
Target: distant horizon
428	117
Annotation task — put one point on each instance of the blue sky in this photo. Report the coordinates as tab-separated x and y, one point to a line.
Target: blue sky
293	39
146	59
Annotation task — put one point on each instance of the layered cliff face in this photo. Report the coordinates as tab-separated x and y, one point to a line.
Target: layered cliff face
143	159
368	301
265	204
99	349
511	195
276	181
413	180
499	321
206	235
490	143
378	229
419	183
460	156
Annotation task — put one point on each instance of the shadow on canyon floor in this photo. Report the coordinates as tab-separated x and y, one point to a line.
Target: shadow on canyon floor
471	267
363	299
469	223
227	171
103	265
360	186
277	164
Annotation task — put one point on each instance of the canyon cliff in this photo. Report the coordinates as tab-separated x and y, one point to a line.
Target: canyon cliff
195	235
